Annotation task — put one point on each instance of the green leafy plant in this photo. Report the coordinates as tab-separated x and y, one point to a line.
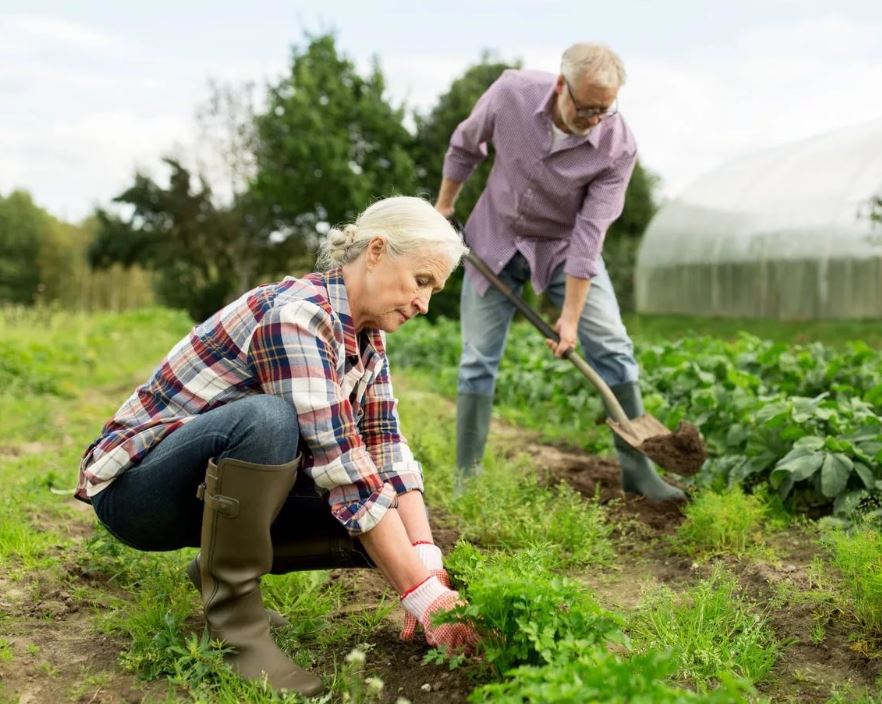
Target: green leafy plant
523	611
596	675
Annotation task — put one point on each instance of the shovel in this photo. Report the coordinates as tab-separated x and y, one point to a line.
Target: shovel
681	451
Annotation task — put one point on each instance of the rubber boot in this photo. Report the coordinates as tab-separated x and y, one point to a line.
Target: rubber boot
241	502
276	620
472	424
638	474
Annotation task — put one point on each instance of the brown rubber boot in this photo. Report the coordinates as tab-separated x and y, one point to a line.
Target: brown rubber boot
241	502
276	620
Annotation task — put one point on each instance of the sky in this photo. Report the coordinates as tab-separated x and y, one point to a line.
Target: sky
92	91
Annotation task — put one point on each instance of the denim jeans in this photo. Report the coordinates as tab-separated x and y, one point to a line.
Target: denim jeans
485	321
153	505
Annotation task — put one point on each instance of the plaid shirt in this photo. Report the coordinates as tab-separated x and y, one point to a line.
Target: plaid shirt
293	339
553	203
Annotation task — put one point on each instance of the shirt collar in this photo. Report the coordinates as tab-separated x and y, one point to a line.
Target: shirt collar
544	110
339	300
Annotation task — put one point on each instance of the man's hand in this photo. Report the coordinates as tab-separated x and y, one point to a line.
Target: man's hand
567	329
448	192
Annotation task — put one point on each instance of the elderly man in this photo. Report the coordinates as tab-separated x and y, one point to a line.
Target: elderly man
564	156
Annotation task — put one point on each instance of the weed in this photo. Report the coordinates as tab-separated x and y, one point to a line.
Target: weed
5	650
720	524
507	507
858	556
712	630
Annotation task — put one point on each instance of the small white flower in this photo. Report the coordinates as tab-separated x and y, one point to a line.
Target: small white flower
356	657
374	685
402	700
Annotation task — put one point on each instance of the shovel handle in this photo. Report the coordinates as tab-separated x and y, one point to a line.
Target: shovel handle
615	408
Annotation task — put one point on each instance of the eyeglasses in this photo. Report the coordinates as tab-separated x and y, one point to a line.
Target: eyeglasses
587	113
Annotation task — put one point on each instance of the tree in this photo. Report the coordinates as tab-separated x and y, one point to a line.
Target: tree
430	145
177	232
23	228
623	239
328	143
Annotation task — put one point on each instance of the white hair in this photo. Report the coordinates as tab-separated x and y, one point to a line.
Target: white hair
406	223
596	62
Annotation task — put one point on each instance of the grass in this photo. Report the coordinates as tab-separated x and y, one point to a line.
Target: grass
714	632
831	332
857	554
61	376
728	523
507	506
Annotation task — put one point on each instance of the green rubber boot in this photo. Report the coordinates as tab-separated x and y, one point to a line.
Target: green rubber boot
638	474
472	424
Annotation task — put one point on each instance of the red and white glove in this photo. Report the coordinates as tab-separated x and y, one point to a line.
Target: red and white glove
430	597
430	556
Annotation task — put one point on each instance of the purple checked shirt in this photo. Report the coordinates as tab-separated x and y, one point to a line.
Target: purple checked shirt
551	205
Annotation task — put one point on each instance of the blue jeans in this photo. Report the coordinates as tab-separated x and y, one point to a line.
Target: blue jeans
485	321
153	505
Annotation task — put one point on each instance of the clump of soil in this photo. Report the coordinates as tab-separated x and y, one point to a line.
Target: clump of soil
682	451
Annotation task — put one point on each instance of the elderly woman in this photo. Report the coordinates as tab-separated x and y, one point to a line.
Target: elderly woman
293	375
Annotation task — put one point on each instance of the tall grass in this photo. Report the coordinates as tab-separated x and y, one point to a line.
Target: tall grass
729	523
714	632
858	556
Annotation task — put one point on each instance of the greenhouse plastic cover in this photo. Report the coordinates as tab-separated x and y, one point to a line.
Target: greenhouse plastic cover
785	234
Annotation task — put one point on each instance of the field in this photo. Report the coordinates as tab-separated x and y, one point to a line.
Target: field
767	587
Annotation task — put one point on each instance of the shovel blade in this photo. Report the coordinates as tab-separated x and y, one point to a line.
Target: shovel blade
681	451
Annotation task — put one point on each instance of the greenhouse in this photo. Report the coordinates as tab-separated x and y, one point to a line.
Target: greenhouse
790	233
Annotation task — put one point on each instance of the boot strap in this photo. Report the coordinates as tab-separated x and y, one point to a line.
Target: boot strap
225	505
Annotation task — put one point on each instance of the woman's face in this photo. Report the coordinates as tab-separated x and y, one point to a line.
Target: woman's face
397	288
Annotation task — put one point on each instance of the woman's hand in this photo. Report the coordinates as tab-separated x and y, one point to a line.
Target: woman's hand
430	598
431	558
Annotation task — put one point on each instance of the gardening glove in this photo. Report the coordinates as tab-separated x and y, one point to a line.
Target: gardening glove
430	556
430	597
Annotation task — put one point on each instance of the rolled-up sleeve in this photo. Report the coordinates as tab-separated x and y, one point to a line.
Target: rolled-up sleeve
603	204
294	354
468	143
381	431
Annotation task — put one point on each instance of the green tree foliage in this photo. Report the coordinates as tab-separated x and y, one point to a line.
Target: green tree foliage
329	143
178	232
623	238
432	137
23	228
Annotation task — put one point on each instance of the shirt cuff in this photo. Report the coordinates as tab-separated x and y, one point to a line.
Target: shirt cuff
456	170
360	516
404	476
581	268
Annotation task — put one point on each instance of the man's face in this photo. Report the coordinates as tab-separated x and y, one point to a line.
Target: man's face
583	104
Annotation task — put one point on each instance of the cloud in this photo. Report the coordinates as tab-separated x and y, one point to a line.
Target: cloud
771	86
33	34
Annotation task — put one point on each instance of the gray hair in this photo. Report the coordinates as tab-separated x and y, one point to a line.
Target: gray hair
406	223
596	62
